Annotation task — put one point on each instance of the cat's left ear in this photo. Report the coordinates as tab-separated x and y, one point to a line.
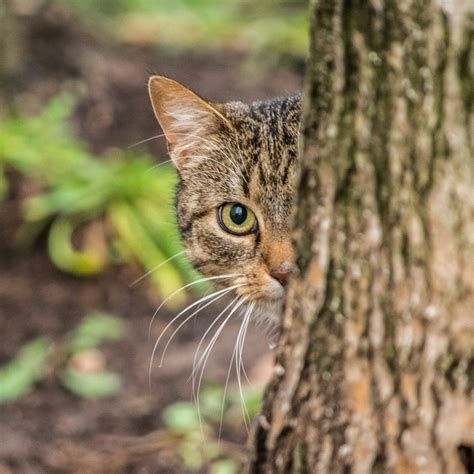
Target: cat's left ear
186	119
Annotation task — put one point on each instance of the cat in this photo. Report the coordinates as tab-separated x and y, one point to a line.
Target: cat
237	167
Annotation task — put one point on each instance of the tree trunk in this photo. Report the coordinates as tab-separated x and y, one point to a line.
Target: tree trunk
375	364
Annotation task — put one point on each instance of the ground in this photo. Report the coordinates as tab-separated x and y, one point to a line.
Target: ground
51	430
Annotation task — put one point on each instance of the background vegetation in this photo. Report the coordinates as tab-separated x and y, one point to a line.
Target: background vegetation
88	243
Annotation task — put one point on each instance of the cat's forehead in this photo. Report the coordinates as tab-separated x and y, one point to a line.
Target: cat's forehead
267	141
255	163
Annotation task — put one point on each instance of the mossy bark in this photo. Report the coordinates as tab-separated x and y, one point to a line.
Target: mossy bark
375	363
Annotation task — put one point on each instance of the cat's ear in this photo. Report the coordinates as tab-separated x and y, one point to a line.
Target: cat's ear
185	118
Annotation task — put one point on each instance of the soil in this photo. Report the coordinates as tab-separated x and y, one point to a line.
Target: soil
50	429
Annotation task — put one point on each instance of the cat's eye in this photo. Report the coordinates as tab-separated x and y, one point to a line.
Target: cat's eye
237	219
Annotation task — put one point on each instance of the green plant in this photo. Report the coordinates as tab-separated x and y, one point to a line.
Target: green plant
76	361
19	375
270	29
199	431
119	205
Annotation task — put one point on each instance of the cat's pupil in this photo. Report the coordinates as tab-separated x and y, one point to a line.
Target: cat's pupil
238	214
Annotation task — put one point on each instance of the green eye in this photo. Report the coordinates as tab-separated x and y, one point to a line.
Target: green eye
237	219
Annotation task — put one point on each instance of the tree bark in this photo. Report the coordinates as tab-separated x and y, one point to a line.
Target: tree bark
375	363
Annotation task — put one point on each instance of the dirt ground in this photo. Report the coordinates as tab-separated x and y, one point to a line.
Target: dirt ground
51	430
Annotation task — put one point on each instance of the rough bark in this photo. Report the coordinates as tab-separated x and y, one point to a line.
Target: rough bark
375	364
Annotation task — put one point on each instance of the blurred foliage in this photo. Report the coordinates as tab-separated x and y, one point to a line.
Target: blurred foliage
102	384
268	28
119	206
93	330
78	368
19	375
200	429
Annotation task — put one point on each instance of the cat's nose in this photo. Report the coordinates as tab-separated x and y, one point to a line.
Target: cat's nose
281	276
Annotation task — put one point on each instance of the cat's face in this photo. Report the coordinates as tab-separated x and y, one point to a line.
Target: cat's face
237	170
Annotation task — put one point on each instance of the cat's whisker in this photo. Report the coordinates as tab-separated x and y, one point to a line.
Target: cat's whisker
205	298
239	365
184	287
226	386
155	268
196	354
151	168
234	355
200	308
146	140
246	321
199	367
154	137
194	371
205	356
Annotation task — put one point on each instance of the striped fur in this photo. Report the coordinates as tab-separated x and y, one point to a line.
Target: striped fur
233	152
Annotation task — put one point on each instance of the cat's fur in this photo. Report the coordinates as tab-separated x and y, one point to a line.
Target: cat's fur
233	152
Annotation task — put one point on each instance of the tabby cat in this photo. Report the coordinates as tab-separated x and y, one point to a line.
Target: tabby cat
237	171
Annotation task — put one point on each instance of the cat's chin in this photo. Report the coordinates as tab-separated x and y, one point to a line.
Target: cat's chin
269	312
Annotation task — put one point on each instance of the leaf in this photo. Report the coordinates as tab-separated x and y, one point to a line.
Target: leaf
191	454
211	401
73	186
137	239
3	184
94	329
181	417
91	385
20	374
65	257
253	399
224	467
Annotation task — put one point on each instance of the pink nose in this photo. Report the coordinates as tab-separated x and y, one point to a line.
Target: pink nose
281	276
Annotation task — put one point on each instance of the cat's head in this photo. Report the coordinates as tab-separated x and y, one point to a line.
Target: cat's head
237	170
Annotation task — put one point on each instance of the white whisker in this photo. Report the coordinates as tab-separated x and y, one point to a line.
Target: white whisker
141	142
184	287
149	272
196	354
246	322
226	385
239	362
200	308
158	165
205	356
205	298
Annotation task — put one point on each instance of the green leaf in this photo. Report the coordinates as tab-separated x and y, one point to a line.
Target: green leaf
191	454
65	257
124	218
73	186
224	467
3	184
211	401
181	417
20	374
91	385
252	399
94	329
